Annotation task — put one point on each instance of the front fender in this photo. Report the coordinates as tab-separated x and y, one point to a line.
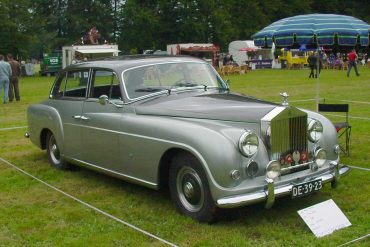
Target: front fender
329	139
207	140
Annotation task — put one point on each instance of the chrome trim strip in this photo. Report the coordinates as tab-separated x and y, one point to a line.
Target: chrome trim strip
296	166
161	92
83	163
263	195
273	113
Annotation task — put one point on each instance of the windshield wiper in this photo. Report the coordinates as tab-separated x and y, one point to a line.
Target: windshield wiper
149	89
192	84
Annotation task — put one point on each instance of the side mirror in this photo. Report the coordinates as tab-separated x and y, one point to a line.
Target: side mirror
103	99
228	82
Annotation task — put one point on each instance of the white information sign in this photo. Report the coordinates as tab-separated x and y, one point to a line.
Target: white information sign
324	218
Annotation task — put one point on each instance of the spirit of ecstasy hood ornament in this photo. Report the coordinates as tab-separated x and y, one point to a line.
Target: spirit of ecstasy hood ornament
284	96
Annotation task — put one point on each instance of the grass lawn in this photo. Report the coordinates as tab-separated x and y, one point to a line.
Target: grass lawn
32	214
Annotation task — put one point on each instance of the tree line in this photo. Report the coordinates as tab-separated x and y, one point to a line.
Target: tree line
29	28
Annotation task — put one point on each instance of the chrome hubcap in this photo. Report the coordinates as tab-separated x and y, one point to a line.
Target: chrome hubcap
190	189
54	150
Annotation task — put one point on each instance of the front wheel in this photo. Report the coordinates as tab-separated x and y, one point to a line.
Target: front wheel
189	189
53	151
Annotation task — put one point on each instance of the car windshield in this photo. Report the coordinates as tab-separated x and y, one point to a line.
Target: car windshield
145	80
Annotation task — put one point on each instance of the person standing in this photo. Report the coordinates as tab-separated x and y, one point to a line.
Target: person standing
16	72
352	57
311	63
5	74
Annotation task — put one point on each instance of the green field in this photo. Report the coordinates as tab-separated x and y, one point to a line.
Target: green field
32	214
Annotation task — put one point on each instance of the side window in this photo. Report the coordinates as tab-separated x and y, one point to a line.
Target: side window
105	82
59	85
71	84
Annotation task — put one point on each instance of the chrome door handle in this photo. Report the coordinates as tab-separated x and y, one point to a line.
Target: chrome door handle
84	118
77	117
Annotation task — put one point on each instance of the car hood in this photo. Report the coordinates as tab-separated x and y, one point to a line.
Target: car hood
217	106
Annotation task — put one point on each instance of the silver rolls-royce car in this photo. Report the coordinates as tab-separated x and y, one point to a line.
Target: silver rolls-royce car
171	121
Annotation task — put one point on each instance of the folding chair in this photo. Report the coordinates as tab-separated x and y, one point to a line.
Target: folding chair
343	128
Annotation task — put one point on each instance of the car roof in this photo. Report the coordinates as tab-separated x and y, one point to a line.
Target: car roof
120	63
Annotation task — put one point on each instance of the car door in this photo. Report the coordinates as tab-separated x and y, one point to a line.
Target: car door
102	121
68	94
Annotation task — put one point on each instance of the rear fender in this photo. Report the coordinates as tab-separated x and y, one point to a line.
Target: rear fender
43	117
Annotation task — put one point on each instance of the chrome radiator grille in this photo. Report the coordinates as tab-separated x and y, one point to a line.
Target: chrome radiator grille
289	133
286	135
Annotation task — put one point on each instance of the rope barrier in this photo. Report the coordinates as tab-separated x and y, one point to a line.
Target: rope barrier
88	205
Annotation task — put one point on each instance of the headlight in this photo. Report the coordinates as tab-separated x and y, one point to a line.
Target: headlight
273	169
320	157
252	168
315	130
248	143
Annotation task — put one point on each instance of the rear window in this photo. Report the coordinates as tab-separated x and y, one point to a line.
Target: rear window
71	84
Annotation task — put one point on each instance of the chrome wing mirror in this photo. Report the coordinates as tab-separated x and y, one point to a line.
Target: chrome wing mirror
103	100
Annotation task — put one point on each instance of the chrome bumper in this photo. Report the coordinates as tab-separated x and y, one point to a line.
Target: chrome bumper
270	192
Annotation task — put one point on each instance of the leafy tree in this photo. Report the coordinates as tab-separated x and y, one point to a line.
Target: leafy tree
15	30
140	24
32	27
64	22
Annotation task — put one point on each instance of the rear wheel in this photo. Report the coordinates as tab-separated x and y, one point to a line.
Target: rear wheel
53	151
189	189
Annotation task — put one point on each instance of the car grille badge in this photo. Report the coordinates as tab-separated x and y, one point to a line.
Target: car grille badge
296	156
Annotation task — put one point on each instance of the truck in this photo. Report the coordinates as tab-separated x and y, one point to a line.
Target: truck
77	53
51	63
206	51
292	58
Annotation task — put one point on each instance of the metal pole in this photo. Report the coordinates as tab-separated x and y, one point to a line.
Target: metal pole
317	79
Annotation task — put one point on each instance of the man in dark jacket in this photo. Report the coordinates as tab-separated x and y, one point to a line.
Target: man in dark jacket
16	72
312	64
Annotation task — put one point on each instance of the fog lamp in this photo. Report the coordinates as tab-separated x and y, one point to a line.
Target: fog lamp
235	174
273	169
320	157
